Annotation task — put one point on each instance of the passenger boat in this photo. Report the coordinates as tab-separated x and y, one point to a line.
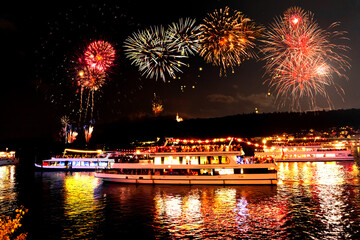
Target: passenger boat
8	158
190	162
77	160
311	153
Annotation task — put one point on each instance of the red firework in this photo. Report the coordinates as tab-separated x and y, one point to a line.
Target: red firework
302	59
100	55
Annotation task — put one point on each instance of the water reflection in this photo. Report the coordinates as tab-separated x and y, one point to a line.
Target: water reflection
67	207
217	212
80	207
312	201
334	173
8	195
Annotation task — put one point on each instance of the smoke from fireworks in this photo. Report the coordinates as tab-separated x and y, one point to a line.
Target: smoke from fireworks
227	39
100	55
152	52
301	58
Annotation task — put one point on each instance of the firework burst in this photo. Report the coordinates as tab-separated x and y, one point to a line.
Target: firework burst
227	39
301	58
90	80
184	36
150	50
100	55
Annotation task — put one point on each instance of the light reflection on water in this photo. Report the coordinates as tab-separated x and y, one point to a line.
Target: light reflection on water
80	206
7	185
317	200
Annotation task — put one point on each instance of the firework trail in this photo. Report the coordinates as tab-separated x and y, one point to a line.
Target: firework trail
100	55
88	130
301	58
150	50
65	121
89	79
228	38
157	106
98	58
184	36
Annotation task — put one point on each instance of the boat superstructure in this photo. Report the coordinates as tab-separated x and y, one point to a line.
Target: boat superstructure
77	160
8	158
190	163
330	151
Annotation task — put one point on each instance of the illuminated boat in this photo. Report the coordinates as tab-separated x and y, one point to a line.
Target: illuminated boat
8	158
209	163
77	160
311	153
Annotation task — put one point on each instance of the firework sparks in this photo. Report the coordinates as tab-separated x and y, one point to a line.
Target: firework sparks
157	106
185	36
150	50
72	135
88	130
227	39
100	55
301	58
65	121
178	118
90	79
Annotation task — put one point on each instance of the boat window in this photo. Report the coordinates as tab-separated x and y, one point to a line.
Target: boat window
103	163
214	160
224	160
157	160
224	171
171	160
239	160
76	163
190	160
204	160
255	170
205	172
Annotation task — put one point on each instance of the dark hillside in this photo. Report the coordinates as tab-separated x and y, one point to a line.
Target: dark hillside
245	125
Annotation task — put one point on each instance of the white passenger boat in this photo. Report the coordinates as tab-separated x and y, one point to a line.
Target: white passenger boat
311	153
210	163
77	160
8	158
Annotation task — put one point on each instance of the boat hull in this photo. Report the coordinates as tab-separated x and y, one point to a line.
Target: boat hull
238	179
63	168
340	159
4	162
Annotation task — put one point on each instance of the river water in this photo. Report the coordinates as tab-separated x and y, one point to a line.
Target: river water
311	201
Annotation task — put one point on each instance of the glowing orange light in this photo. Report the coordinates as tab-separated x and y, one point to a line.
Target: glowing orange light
295	20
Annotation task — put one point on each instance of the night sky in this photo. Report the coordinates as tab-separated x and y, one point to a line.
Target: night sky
42	42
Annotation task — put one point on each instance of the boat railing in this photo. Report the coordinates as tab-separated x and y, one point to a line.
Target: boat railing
102	156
